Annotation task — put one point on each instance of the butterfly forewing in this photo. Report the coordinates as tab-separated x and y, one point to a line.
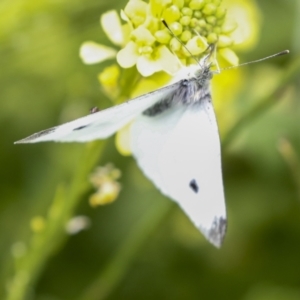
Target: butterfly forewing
102	124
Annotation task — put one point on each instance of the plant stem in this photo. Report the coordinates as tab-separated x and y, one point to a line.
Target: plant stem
290	156
45	242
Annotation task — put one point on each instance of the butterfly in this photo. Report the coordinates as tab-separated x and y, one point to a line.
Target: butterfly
175	141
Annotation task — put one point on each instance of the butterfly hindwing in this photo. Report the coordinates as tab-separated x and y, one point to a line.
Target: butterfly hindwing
179	150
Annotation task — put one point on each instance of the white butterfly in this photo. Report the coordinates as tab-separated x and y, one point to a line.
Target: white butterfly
175	141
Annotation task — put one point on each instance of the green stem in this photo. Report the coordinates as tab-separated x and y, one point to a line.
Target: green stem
290	156
44	243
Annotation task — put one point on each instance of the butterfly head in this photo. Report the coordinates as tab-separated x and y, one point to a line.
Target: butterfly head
203	74
201	71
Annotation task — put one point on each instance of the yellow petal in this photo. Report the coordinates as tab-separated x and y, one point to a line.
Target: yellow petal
134	7
91	52
124	17
147	66
109	76
230	56
156	6
248	18
122	140
196	45
136	10
107	194
126	29
224	41
111	25
143	36
149	84
168	61
127	56
161	60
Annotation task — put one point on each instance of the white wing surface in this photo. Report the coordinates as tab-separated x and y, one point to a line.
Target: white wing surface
179	150
102	124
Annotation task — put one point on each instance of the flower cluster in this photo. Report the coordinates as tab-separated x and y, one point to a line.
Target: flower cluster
148	44
193	26
104	180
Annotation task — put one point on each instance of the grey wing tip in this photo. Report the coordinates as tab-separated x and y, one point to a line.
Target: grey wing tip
32	138
18	142
217	232
27	140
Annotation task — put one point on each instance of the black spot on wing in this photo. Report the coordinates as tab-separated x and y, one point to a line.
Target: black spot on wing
81	127
194	186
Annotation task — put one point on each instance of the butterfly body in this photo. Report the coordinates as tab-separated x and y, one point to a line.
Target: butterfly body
175	141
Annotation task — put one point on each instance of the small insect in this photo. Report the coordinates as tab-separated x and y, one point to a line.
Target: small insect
94	110
175	141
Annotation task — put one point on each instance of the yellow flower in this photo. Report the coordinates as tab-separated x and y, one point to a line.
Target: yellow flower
104	180
147	43
193	24
108	194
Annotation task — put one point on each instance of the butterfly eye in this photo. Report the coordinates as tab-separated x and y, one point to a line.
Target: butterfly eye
185	82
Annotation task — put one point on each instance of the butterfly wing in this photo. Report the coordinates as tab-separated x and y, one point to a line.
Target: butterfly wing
179	150
102	124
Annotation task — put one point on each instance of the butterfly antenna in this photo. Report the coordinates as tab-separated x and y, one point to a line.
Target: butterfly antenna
258	60
213	52
183	45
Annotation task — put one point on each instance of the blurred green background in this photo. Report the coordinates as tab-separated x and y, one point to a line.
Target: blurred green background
141	246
